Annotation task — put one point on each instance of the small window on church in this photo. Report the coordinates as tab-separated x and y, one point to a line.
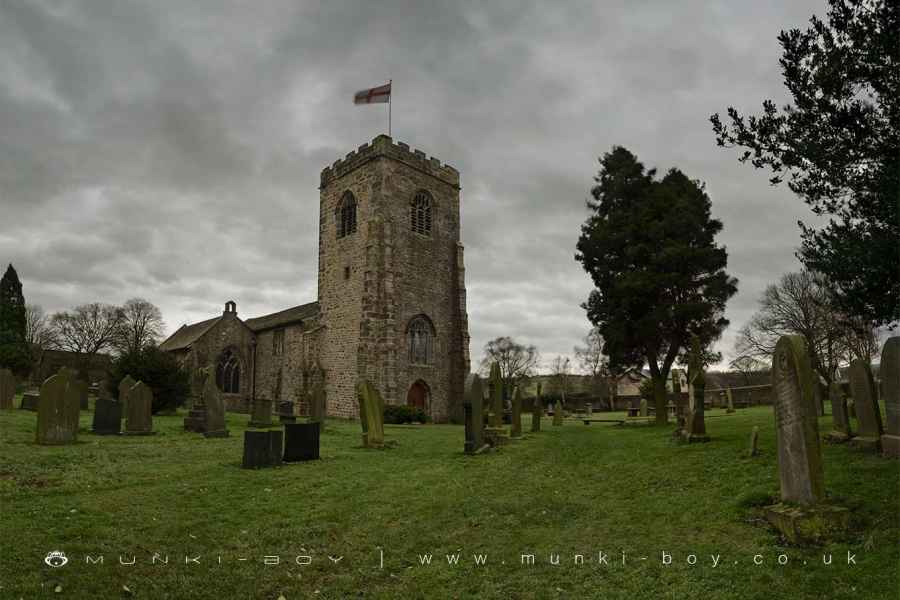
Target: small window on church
228	373
345	215
420	339
420	213
278	342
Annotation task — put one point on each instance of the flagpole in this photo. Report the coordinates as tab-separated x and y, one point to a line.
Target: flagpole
390	94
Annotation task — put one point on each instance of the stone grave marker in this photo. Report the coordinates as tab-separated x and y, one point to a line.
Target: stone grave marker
139	414
261	414
840	421
30	401
890	394
590	410
643	407
7	389
371	415
868	414
474	411
286	412
537	411
215	409
496	392
262	449
516	414
124	387
107	412
57	421
301	441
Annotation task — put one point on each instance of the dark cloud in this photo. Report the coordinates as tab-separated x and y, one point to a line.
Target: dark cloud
172	150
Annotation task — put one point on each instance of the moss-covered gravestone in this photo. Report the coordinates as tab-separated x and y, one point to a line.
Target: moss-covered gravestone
515	423
840	421
473	407
139	414
801	515
57	421
371	415
695	422
643	407
215	409
7	389
890	394
868	415
557	413
537	411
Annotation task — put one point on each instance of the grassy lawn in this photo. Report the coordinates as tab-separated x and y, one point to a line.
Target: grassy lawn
568	490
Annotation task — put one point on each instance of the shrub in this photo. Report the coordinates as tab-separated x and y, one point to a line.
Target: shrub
398	414
159	370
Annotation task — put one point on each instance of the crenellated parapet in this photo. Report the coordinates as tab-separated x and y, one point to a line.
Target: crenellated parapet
384	146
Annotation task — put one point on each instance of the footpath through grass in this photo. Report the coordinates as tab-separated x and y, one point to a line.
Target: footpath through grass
566	492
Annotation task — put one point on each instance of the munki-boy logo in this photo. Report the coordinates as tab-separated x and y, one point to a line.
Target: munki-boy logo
56	559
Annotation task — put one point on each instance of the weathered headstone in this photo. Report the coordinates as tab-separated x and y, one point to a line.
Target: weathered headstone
754	441
57	420
261	414
801	516
286	413
516	414
124	387
215	409
262	449
537	411
643	407
557	413
139	413
729	400
371	415
868	415
840	422
496	391
695	424
890	394
107	417
474	412
301	441
7	389
30	401
195	421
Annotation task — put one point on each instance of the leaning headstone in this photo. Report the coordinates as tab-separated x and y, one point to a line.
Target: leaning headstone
868	415
57	420
537	411
30	401
262	449
473	407
301	441
215	410
801	516
695	424
643	408
371	415
890	394
7	389
557	413
139	414
516	414
261	415
840	422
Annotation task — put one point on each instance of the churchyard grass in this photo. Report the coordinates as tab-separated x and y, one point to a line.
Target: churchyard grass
567	490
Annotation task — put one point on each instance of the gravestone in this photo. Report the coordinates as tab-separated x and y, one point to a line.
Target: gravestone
590	410
801	515
868	415
840	422
261	415
195	421
890	394
215	409
139	413
7	389
496	392
557	413
474	412
695	424
643	407
301	441
107	417
371	415
262	449
754	441
30	401
57	420
537	411
124	387
516	414
286	412
729	401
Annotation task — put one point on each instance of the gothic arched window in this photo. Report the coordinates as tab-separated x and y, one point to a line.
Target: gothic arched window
345	215
420	213
420	340
228	373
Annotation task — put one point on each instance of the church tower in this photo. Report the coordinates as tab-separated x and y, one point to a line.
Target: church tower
392	295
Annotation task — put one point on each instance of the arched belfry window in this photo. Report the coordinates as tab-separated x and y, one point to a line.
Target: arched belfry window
420	341
228	373
420	213
345	215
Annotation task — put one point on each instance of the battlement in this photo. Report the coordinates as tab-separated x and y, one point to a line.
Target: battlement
385	146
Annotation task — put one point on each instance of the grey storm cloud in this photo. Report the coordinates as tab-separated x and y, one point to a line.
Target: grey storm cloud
171	150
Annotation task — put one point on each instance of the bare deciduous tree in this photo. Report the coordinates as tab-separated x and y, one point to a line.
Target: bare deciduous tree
594	363
141	326
89	328
517	361
559	370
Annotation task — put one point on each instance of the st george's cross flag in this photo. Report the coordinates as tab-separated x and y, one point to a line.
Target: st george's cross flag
380	94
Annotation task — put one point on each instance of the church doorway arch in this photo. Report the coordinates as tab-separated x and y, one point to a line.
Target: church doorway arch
418	395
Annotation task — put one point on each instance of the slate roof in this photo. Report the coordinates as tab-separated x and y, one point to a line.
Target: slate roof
284	317
187	335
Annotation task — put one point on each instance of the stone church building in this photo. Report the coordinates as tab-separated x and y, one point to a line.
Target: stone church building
391	305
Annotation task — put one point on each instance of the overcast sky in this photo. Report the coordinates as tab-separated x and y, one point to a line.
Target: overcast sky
172	150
